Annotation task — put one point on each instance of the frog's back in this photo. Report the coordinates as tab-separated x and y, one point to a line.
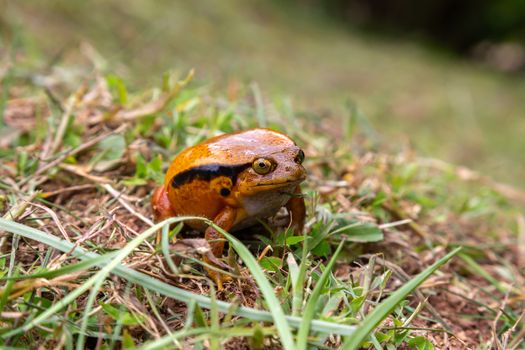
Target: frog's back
236	149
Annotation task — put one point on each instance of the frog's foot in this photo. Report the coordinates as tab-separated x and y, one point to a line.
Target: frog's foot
158	238
213	273
225	220
218	278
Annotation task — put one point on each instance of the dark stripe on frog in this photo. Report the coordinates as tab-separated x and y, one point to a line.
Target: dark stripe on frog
208	172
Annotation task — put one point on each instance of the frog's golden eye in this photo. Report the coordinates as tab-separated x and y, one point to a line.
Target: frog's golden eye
262	166
299	158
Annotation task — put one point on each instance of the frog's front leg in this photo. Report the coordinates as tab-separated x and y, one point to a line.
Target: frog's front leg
225	220
297	210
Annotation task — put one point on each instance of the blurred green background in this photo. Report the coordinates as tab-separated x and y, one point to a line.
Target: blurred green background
446	78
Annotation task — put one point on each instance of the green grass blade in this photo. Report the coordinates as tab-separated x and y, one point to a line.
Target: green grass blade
309	311
165	341
96	280
214	321
83	265
388	305
5	295
165	247
476	268
298	284
164	288
99	279
266	289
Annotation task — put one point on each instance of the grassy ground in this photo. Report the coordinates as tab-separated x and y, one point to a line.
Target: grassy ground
81	150
79	166
445	107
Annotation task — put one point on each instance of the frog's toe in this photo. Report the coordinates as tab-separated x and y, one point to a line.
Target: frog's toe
219	278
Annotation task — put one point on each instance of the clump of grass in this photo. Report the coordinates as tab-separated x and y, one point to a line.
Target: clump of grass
80	268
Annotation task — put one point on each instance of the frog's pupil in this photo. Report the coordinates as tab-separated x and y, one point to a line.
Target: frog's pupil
225	192
262	165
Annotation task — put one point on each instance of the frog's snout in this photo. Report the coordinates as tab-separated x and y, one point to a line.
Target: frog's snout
296	172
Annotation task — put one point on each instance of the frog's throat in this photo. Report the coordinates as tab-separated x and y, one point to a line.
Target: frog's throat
208	172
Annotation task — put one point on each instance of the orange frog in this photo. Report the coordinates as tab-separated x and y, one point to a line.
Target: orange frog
234	180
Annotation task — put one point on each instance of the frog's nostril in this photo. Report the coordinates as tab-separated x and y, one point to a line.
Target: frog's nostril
299	158
288	168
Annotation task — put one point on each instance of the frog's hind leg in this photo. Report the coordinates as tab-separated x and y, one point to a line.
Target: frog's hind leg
225	220
297	210
161	207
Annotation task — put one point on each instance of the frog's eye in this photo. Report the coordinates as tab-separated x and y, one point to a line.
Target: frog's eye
262	166
299	158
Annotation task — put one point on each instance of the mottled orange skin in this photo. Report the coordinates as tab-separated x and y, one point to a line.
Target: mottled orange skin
251	196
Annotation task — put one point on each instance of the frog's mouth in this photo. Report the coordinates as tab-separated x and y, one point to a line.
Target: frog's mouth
265	186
